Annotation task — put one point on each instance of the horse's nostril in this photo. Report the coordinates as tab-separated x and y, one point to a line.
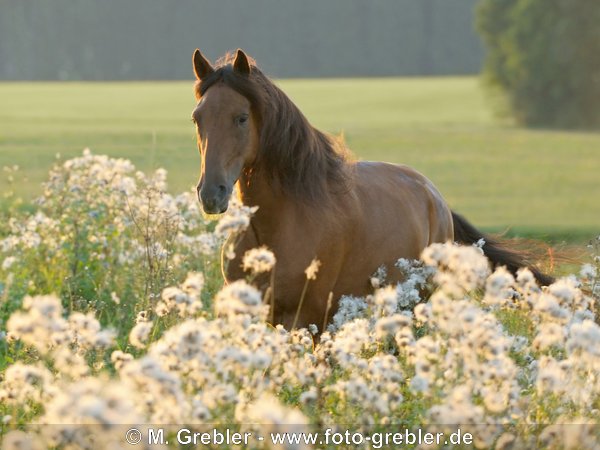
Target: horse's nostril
222	189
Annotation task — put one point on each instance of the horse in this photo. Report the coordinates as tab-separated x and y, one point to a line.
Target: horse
314	200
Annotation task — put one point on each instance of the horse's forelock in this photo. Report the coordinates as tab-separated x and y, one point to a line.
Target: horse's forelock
243	85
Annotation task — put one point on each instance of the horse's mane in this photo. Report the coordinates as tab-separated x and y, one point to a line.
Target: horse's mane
296	157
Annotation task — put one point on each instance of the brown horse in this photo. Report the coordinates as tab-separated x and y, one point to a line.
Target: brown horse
314	202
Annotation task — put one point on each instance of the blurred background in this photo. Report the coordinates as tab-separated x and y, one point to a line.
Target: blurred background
497	101
151	39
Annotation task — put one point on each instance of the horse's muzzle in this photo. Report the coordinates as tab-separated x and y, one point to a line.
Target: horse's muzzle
214	199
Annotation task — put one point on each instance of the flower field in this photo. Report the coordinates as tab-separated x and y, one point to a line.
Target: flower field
113	315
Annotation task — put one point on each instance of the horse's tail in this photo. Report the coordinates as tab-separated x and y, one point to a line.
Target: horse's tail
495	250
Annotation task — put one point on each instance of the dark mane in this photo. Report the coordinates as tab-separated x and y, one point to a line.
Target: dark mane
297	158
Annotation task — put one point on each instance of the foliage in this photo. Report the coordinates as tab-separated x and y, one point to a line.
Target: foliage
542	55
105	237
497	356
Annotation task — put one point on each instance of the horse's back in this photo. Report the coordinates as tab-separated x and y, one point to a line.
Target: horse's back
405	196
396	213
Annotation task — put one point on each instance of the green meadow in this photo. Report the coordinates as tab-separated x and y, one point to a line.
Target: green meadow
543	184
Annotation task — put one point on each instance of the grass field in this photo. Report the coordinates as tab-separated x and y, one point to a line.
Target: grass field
540	183
113	310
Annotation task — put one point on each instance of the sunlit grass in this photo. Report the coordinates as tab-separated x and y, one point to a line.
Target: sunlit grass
540	183
113	311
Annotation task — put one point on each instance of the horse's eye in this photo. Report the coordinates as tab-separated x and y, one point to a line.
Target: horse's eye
242	119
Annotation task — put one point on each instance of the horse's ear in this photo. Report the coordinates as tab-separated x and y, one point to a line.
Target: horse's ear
241	63
202	67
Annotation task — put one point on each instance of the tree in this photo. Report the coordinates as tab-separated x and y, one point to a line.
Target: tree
543	55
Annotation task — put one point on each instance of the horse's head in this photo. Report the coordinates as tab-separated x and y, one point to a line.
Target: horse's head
226	126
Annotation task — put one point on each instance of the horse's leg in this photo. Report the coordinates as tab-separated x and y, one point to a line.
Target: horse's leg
313	308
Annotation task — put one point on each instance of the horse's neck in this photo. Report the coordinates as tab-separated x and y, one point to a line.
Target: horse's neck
255	190
276	209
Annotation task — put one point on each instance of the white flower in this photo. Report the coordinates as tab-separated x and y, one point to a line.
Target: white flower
498	287
549	334
120	358
388	326
419	384
70	363
259	260
138	336
8	262
272	416
379	277
588	271
115	298
142	316
240	299
385	301
585	337
349	308
41	325
235	220
20	440
193	284
312	270
423	312
460	268
308	396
